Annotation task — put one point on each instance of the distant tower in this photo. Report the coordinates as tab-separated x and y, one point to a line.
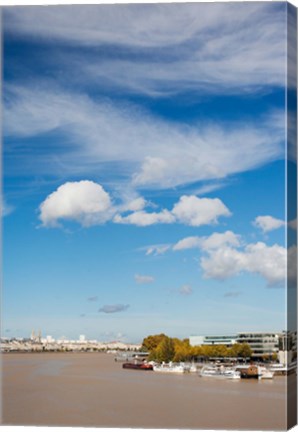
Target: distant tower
32	337
39	336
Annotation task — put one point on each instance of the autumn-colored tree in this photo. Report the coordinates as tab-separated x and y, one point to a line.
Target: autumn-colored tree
183	350
151	342
165	351
245	350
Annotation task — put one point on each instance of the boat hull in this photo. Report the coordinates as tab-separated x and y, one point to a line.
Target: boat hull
143	367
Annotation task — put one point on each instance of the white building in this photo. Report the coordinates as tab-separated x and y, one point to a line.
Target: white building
227	340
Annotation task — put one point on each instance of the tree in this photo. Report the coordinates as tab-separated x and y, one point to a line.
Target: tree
166	350
183	350
151	342
245	350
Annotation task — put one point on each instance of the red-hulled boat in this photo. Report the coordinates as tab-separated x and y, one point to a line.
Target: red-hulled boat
139	366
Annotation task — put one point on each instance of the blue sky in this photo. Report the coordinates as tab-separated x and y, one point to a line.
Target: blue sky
144	169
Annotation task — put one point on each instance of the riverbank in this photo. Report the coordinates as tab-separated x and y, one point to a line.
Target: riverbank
91	389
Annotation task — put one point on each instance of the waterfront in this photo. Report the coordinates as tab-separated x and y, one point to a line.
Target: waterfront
91	389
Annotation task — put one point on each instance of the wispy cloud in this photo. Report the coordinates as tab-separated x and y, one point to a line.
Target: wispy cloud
113	308
232	294
5	209
184	46
92	299
179	154
185	290
155	250
143	279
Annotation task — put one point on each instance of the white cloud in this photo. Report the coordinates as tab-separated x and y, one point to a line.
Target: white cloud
142	218
185	290
85	202
136	204
267	261
217	240
157	249
143	279
184	46
161	154
268	223
188	243
214	241
195	211
5	209
189	210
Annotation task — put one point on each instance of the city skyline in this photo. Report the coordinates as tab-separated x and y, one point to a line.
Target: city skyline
144	169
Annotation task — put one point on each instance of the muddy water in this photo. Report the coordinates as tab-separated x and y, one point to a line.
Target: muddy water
93	390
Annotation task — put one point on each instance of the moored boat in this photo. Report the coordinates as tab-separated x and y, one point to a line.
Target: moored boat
249	372
169	368
139	366
219	372
264	373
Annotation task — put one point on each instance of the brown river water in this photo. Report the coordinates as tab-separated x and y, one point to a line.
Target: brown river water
91	389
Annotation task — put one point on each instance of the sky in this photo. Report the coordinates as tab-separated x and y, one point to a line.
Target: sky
144	170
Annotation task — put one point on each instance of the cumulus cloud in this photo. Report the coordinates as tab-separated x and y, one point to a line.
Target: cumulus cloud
266	261
134	205
268	223
195	211
113	308
92	299
188	243
85	202
142	218
190	210
143	279
214	241
185	290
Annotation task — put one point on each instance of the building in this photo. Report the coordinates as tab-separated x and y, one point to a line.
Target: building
287	347
261	344
213	340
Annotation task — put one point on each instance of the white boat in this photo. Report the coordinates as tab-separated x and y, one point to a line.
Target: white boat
169	368
219	372
265	373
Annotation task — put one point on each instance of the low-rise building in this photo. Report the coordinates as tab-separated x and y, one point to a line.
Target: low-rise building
262	344
227	340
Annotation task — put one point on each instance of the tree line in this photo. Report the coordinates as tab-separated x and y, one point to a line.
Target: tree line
163	348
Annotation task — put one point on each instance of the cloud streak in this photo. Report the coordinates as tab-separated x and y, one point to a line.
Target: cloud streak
114	308
97	133
143	279
184	46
